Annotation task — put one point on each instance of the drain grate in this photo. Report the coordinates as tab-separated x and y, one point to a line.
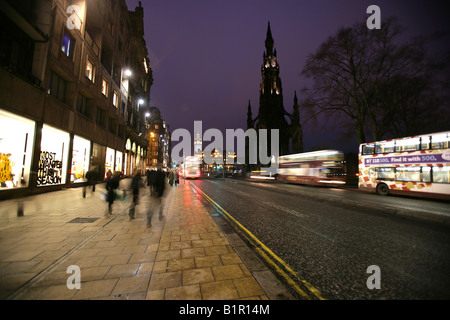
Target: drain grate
83	220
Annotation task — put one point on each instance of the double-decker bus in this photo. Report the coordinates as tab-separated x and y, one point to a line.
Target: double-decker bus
191	167
417	165
325	167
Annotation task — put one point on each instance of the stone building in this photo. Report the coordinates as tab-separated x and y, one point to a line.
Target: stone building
271	112
74	80
159	149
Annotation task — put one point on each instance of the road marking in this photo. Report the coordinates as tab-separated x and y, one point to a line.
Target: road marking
287	210
281	267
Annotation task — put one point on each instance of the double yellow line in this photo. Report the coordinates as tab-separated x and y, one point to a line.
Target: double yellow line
283	269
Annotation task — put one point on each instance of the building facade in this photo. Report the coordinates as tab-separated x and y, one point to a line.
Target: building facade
74	78
159	150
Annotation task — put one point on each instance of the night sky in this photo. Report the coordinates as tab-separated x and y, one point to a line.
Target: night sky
206	55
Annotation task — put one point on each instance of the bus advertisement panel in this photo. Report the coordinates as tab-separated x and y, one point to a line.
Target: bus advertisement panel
418	166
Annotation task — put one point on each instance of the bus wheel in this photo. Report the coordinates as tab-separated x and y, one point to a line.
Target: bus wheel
382	189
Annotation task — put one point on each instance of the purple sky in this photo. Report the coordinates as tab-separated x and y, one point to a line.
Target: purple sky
206	54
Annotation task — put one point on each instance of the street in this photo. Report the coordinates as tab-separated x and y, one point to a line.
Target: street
330	244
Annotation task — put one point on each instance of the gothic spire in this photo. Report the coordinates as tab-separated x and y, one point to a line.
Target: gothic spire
269	40
249	116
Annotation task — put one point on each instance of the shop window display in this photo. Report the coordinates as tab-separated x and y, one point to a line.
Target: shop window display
80	159
16	146
119	156
52	166
109	163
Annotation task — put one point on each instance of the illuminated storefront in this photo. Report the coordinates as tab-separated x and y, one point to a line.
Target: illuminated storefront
119	156
53	157
98	158
128	163
109	162
16	147
81	155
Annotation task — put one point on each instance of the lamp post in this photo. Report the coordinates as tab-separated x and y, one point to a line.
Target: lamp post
140	101
147	115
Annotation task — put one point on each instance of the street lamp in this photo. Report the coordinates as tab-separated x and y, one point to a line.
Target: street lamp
127	72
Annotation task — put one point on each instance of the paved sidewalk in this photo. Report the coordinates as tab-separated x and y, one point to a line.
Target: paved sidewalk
184	255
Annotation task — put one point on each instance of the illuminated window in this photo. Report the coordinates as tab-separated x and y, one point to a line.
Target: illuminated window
385	147
408	174
16	150
67	44
425	143
115	99
105	87
426	174
90	70
441	174
382	173
80	159
52	167
440	141
411	144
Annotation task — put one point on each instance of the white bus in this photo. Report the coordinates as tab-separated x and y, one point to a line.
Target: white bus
191	167
325	167
418	165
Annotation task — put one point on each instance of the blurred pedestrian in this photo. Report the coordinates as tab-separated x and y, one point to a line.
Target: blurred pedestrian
159	188
91	178
171	177
151	180
111	186
176	178
136	184
108	175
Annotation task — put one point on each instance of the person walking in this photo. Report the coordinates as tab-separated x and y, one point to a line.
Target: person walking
151	180
109	175
176	177
91	177
111	186
159	188
171	177
136	184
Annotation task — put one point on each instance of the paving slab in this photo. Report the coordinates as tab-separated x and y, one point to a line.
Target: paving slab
186	254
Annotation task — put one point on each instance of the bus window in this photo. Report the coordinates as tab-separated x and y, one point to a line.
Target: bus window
412	144
425	143
385	147
426	174
441	174
368	149
385	173
439	141
408	174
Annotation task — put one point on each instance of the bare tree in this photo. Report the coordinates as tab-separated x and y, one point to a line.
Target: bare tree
380	84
